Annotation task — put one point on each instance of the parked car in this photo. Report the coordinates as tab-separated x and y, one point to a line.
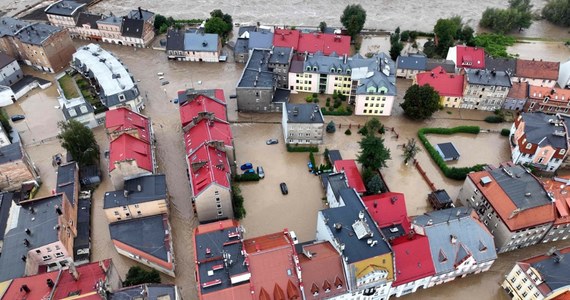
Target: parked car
165	82
249	171
246	166
272	141
17	118
284	189
260	172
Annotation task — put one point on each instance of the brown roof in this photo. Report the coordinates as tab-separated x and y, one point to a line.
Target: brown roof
505	207
519	90
561	193
540	92
537	69
324	267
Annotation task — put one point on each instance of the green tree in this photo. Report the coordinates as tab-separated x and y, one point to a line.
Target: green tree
238	202
429	49
331	127
395	50
373	126
517	16
557	12
79	141
373	154
375	185
322	26
353	19
467	36
136	275
159	20
4	121
420	102
446	31
217	25
411	149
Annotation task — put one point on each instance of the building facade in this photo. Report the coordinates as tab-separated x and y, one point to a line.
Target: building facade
564	75
449	86
537	72
517	96
64	13
548	100
16	167
10	71
303	124
485	89
193	46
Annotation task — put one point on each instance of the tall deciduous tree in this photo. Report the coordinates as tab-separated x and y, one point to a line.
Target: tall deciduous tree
79	141
136	275
373	154
420	102
557	12
411	149
353	19
375	185
517	16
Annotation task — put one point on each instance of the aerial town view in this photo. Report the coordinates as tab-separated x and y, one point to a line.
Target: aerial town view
274	150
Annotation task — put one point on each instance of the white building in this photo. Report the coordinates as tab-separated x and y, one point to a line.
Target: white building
302	124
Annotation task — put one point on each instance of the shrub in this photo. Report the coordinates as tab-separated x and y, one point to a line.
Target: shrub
239	209
291	148
348	132
505	132
246	177
331	111
312	159
494	119
315	95
363	130
309	99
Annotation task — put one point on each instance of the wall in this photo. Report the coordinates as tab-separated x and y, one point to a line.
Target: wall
209	208
7	97
536	82
58	50
146	209
484	97
557	232
255	99
448	101
124	170
369	105
11	74
13	174
304	133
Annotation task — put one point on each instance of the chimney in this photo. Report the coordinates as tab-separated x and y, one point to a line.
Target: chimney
28	231
26	242
58	210
140	12
50	283
24	288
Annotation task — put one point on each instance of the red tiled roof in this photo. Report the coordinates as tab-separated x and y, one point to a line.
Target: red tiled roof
504	206
206	131
286	38
519	90
388	209
88	276
413	259
219	225
537	69
470	57
324	42
450	85
200	104
540	92
123	119
352	174
127	147
237	292
325	265
560	191
215	168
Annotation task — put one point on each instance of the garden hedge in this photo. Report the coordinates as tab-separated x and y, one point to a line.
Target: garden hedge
302	148
453	172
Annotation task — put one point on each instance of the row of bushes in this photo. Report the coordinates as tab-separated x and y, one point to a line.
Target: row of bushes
246	177
453	173
291	148
238	203
337	112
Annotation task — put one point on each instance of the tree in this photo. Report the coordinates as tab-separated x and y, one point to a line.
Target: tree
557	12
238	201
79	141
136	275
331	127
373	154
375	185
217	25
395	50
5	123
410	150
159	20
429	49
373	126
420	102
322	26
353	19
446	31
467	36
517	16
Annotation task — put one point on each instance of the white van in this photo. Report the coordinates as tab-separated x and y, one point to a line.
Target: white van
160	74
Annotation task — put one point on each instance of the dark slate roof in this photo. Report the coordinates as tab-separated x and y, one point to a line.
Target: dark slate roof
518	183
508	65
393	231
334	155
66	181
244	29
355	250
76	111
447	65
412	62
241	46
83	238
281	55
140	14
175	40
42	224
296	66
91	19
281	95
64	8
146	234
111	20
337	182
304	113
442	197
5	60
554	270
152	187
538	130
132	28
256	72
488	77
260	40
218	241
10	26
456	223
37	33
10	153
25	81
5	204
448	150
153	291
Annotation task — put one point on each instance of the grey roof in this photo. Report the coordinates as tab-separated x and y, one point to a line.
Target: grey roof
260	40
334	155
554	270
87	18
175	40
153	291
10	26
76	109
256	72
447	65
296	66
281	95
132	27
114	20
355	249
442	196
140	14
488	77
219	241
244	29
41	221
83	238
454	235
508	65
412	62
37	33
518	183
5	60
448	150
241	46
10	153
304	113
64	8
147	234
66	181
5	204
539	130
281	55
337	182
141	189
202	42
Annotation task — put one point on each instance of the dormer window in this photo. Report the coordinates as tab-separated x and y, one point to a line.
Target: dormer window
308	68
562	151
339	70
332	70
315	68
348	71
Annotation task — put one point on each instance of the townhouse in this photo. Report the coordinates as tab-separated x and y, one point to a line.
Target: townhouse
302	124
449	86
249	38
10	71
558	188
148	291
64	13
467	57
193	46
17	169
333	183
512	203
87	27
312	42
137	29
110	29
537	72
539	140
517	96
508	65
410	65
548	100
460	245
485	89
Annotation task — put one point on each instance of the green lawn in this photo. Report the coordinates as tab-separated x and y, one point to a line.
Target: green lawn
67	85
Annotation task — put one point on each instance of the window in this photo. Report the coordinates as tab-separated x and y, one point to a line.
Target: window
136	206
528	146
59	254
46	257
125	208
